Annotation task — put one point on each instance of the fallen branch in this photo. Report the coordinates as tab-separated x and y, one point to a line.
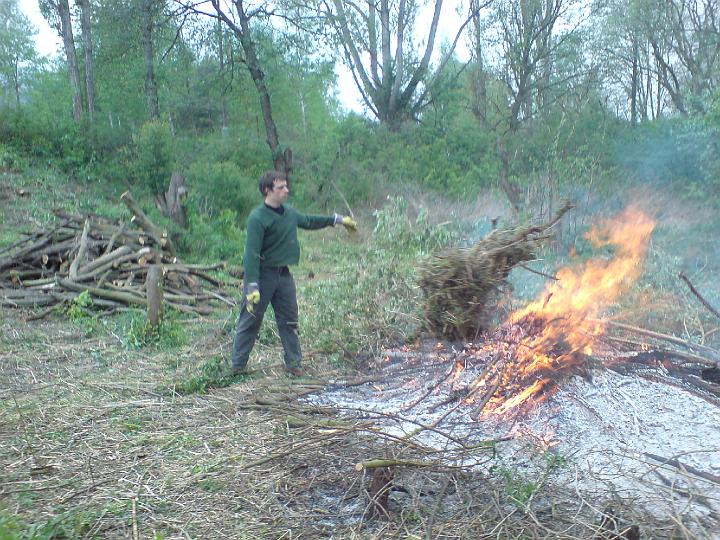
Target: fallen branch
377	463
704	302
715	479
660	336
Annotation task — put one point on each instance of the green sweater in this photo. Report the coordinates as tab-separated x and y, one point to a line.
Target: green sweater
272	238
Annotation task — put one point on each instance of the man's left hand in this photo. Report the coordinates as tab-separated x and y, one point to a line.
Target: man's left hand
346	221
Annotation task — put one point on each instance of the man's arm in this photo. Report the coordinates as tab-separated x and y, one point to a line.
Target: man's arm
253	245
314	222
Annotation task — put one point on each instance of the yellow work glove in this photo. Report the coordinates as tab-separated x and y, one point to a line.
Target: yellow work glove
252	296
346	221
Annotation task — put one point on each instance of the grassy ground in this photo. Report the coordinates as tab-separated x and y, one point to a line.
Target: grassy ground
106	432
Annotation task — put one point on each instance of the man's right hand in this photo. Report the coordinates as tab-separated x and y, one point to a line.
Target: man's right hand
252	296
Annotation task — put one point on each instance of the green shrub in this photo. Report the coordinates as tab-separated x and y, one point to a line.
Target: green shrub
397	232
218	186
213	238
154	156
10	160
212	374
139	333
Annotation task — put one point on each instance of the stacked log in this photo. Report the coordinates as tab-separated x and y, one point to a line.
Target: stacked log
107	258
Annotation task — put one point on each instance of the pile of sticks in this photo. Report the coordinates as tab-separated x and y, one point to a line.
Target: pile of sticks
460	285
108	259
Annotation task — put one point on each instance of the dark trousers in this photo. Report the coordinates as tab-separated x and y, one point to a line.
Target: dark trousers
277	287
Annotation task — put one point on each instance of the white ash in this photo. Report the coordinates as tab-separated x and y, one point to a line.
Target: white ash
603	429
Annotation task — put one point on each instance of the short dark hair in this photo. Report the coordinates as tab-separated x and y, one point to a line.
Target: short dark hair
267	180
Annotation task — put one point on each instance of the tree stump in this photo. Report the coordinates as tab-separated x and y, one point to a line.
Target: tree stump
153	289
171	203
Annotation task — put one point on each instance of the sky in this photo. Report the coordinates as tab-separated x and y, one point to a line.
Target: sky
48	43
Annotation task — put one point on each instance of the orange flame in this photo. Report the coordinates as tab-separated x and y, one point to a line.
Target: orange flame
562	322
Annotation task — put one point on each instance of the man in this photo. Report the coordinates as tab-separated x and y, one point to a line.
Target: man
271	247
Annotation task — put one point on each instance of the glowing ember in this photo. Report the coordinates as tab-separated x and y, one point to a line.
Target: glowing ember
553	335
457	371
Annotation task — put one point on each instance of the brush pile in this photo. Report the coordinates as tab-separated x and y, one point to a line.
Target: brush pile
460	285
108	259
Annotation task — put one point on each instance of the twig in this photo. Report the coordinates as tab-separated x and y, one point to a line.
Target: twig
657	335
377	463
705	303
538	272
715	479
136	535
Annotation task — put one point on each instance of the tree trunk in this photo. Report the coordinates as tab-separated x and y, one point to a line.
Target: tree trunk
223	91
510	189
87	45
151	93
69	44
634	82
282	161
170	203
16	82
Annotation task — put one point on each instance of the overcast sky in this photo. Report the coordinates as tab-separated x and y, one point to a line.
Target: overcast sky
49	43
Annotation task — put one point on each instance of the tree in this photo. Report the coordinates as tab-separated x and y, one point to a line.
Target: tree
149	10
57	13
17	50
85	25
685	40
535	36
378	45
625	57
240	24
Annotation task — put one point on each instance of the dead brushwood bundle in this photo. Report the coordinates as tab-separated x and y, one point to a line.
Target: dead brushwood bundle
460	284
107	259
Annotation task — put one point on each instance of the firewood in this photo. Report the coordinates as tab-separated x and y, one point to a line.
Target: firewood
107	258
160	236
82	250
125	298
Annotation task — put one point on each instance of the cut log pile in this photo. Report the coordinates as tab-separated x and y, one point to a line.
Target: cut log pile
108	259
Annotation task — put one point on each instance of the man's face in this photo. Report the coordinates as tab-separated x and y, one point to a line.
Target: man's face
279	192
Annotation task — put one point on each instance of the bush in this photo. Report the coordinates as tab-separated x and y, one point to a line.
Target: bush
154	156
219	186
213	238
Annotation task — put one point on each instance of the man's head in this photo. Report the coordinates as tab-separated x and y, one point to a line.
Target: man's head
274	187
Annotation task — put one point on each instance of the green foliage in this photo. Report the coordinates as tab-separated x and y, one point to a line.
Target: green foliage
519	489
217	186
69	524
139	333
61	143
371	296
10	160
79	311
397	232
211	374
213	238
154	156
